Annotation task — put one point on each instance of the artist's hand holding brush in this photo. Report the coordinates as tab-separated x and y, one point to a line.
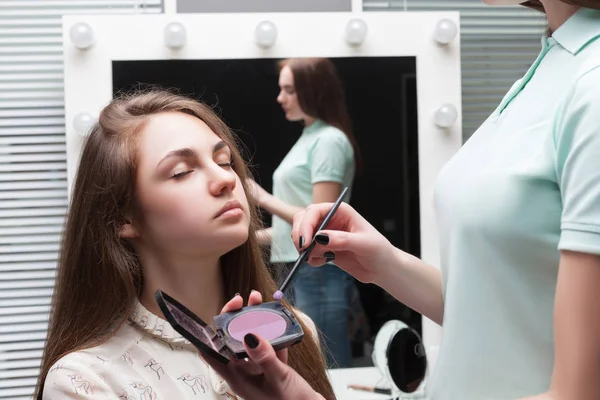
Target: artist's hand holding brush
355	246
266	375
354	243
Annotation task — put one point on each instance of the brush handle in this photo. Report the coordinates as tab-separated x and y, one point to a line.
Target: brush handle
372	389
306	252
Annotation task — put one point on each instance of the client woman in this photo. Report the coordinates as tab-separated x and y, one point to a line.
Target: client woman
158	203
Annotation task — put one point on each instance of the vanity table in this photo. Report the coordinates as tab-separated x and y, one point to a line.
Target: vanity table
399	359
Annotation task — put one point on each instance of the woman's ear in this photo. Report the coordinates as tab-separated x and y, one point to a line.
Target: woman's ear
127	230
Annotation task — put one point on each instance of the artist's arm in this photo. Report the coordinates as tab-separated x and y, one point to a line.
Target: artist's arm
577	305
275	206
323	192
265	236
366	254
576	330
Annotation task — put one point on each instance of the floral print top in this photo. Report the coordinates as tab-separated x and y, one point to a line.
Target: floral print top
146	359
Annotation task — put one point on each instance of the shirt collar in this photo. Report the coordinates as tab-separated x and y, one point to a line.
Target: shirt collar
154	325
577	31
163	331
316	125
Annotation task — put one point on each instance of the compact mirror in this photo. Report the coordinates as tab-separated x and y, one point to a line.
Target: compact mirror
400	356
272	321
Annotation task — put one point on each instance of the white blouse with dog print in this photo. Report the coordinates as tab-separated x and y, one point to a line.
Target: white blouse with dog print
146	359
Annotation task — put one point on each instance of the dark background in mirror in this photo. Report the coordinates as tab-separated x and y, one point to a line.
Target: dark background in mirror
381	97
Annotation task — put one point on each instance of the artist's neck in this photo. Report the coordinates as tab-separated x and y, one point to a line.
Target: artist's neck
308	121
558	12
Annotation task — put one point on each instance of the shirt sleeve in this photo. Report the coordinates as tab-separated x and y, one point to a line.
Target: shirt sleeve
577	141
329	158
70	380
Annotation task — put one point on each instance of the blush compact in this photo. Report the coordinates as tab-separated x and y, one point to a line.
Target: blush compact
271	321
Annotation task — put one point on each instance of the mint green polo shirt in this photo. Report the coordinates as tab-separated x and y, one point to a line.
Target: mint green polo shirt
322	153
525	186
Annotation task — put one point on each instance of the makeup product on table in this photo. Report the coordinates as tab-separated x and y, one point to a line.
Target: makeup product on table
278	295
371	389
272	321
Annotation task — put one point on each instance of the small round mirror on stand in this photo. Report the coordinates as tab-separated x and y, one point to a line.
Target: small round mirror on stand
400	356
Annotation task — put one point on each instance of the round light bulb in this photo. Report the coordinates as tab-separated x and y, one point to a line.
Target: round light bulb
445	31
356	32
265	34
83	122
445	116
175	35
82	35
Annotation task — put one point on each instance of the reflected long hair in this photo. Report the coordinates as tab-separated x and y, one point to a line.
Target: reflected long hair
321	95
99	276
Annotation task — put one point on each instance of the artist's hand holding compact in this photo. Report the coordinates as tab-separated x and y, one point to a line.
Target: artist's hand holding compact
255	298
265	375
355	245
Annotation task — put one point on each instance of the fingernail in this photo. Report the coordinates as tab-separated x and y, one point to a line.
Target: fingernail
252	291
329	255
322	238
301	242
251	340
236	295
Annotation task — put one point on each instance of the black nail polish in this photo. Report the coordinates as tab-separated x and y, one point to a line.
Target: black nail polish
322	238
329	256
251	340
301	242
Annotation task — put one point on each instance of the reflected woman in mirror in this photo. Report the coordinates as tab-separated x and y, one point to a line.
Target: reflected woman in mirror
318	166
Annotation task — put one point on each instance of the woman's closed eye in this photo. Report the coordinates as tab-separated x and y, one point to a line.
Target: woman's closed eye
227	164
179	175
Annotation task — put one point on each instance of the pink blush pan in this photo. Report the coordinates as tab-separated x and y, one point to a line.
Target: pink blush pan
265	324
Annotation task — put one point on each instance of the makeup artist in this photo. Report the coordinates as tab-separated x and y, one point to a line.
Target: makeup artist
518	209
322	161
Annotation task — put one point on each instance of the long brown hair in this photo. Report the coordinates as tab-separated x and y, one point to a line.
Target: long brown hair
99	274
537	5
321	95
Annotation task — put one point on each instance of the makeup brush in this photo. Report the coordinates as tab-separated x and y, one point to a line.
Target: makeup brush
278	295
372	389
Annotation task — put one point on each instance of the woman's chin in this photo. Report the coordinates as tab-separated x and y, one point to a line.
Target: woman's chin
292	117
234	238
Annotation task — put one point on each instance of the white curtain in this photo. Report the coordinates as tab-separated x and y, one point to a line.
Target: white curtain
33	173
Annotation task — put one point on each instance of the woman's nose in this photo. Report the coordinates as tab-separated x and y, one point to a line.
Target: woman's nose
223	179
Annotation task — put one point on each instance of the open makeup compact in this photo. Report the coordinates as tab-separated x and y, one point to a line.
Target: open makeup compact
271	321
400	356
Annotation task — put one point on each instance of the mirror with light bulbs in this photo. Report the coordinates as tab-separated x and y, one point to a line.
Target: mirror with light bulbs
402	167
